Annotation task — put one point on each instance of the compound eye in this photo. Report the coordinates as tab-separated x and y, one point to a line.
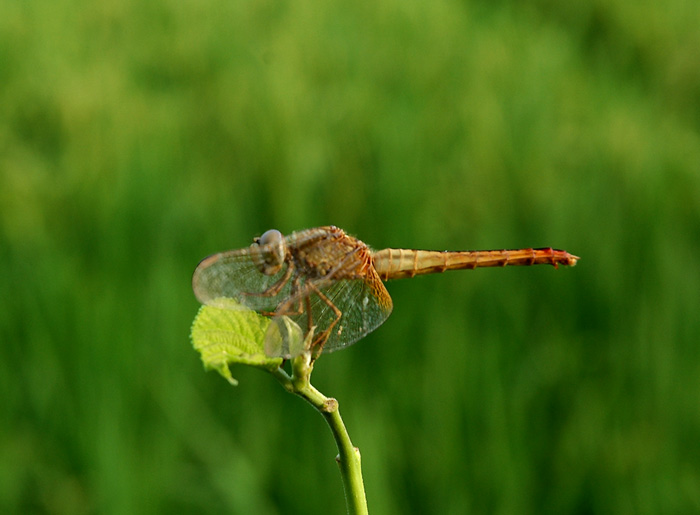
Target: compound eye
268	252
270	237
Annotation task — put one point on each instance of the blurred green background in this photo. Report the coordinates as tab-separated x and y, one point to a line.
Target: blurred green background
137	137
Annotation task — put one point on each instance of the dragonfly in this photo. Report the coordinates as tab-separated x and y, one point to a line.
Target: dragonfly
329	285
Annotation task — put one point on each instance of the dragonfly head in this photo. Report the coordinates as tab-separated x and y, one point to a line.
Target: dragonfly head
270	252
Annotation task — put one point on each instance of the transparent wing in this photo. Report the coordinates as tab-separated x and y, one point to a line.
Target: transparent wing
362	306
234	275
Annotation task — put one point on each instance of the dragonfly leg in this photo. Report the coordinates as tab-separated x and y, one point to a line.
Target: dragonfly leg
320	341
285	310
275	288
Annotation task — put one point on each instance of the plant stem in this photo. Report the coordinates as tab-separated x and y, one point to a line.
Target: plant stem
348	456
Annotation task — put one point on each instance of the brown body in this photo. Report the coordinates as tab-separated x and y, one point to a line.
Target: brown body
401	263
325	251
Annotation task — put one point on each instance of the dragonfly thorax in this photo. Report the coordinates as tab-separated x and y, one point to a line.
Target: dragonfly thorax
268	252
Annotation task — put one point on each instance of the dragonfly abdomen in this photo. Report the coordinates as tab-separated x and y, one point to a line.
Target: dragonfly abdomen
402	263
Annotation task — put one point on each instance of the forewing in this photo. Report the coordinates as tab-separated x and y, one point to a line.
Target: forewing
234	275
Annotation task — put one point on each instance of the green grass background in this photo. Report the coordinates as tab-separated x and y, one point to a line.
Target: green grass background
137	137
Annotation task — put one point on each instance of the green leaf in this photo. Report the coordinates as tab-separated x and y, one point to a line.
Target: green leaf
229	333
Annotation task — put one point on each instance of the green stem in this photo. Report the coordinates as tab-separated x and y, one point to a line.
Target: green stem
348	456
